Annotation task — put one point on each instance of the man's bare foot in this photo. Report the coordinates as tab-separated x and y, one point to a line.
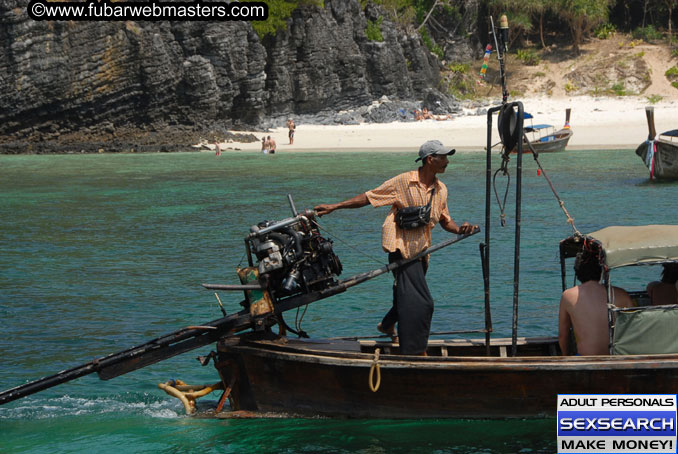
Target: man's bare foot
390	331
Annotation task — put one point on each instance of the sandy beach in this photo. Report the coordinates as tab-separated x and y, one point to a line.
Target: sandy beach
598	123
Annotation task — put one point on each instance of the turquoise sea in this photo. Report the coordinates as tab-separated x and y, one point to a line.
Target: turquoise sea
102	252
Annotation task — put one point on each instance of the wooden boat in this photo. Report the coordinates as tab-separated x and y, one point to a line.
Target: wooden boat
474	378
332	378
659	152
502	378
543	138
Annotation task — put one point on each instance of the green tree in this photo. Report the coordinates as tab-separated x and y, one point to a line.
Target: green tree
278	13
582	16
522	13
400	12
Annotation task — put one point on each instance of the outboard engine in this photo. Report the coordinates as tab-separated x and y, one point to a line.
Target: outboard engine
292	256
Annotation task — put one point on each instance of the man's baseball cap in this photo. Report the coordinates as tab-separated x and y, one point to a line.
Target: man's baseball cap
433	147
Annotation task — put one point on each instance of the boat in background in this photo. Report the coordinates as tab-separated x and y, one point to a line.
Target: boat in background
659	152
543	138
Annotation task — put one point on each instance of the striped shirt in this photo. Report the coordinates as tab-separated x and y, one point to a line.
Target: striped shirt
406	190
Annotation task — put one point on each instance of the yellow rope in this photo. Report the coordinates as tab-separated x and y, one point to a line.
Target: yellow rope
375	365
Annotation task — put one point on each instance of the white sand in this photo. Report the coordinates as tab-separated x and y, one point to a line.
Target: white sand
597	123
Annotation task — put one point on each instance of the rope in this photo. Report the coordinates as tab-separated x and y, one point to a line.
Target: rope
374	387
504	169
371	257
535	155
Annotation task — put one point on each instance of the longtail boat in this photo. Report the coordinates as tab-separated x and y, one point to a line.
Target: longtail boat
543	138
505	378
659	152
291	265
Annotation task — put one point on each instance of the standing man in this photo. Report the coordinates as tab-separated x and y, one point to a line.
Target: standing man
412	302
291	127
271	145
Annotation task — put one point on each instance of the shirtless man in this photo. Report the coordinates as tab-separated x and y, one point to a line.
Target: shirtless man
271	145
584	308
665	291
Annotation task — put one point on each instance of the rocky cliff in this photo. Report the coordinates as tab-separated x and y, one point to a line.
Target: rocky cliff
107	82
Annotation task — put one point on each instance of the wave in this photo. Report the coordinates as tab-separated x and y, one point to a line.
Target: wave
142	404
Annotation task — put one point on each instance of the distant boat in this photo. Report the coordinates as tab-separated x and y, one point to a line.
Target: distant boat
659	152
544	138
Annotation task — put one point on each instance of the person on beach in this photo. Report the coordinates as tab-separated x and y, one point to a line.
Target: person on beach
665	292
417	115
412	302
291	126
271	145
426	114
264	145
584	308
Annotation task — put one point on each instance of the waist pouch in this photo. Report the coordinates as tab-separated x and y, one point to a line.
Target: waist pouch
414	217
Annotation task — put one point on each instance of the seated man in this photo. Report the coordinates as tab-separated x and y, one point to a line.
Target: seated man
584	308
665	292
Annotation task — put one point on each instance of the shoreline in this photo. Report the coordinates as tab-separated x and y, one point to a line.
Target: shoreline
597	123
228	148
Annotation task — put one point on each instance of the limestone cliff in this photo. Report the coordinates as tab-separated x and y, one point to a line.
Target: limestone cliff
64	81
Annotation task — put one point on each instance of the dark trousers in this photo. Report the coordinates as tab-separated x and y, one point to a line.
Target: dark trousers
412	306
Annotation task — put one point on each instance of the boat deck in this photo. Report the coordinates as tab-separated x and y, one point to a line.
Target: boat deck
499	347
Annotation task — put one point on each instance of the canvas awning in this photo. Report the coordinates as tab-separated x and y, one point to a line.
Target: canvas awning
630	245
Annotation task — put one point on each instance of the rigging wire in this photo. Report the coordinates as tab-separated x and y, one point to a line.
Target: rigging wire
371	257
298	320
504	169
570	219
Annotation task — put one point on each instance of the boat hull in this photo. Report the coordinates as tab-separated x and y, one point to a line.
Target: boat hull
559	143
295	379
666	159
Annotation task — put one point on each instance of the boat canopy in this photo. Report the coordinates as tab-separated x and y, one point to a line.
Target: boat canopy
537	127
628	245
527	116
542	126
672	133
